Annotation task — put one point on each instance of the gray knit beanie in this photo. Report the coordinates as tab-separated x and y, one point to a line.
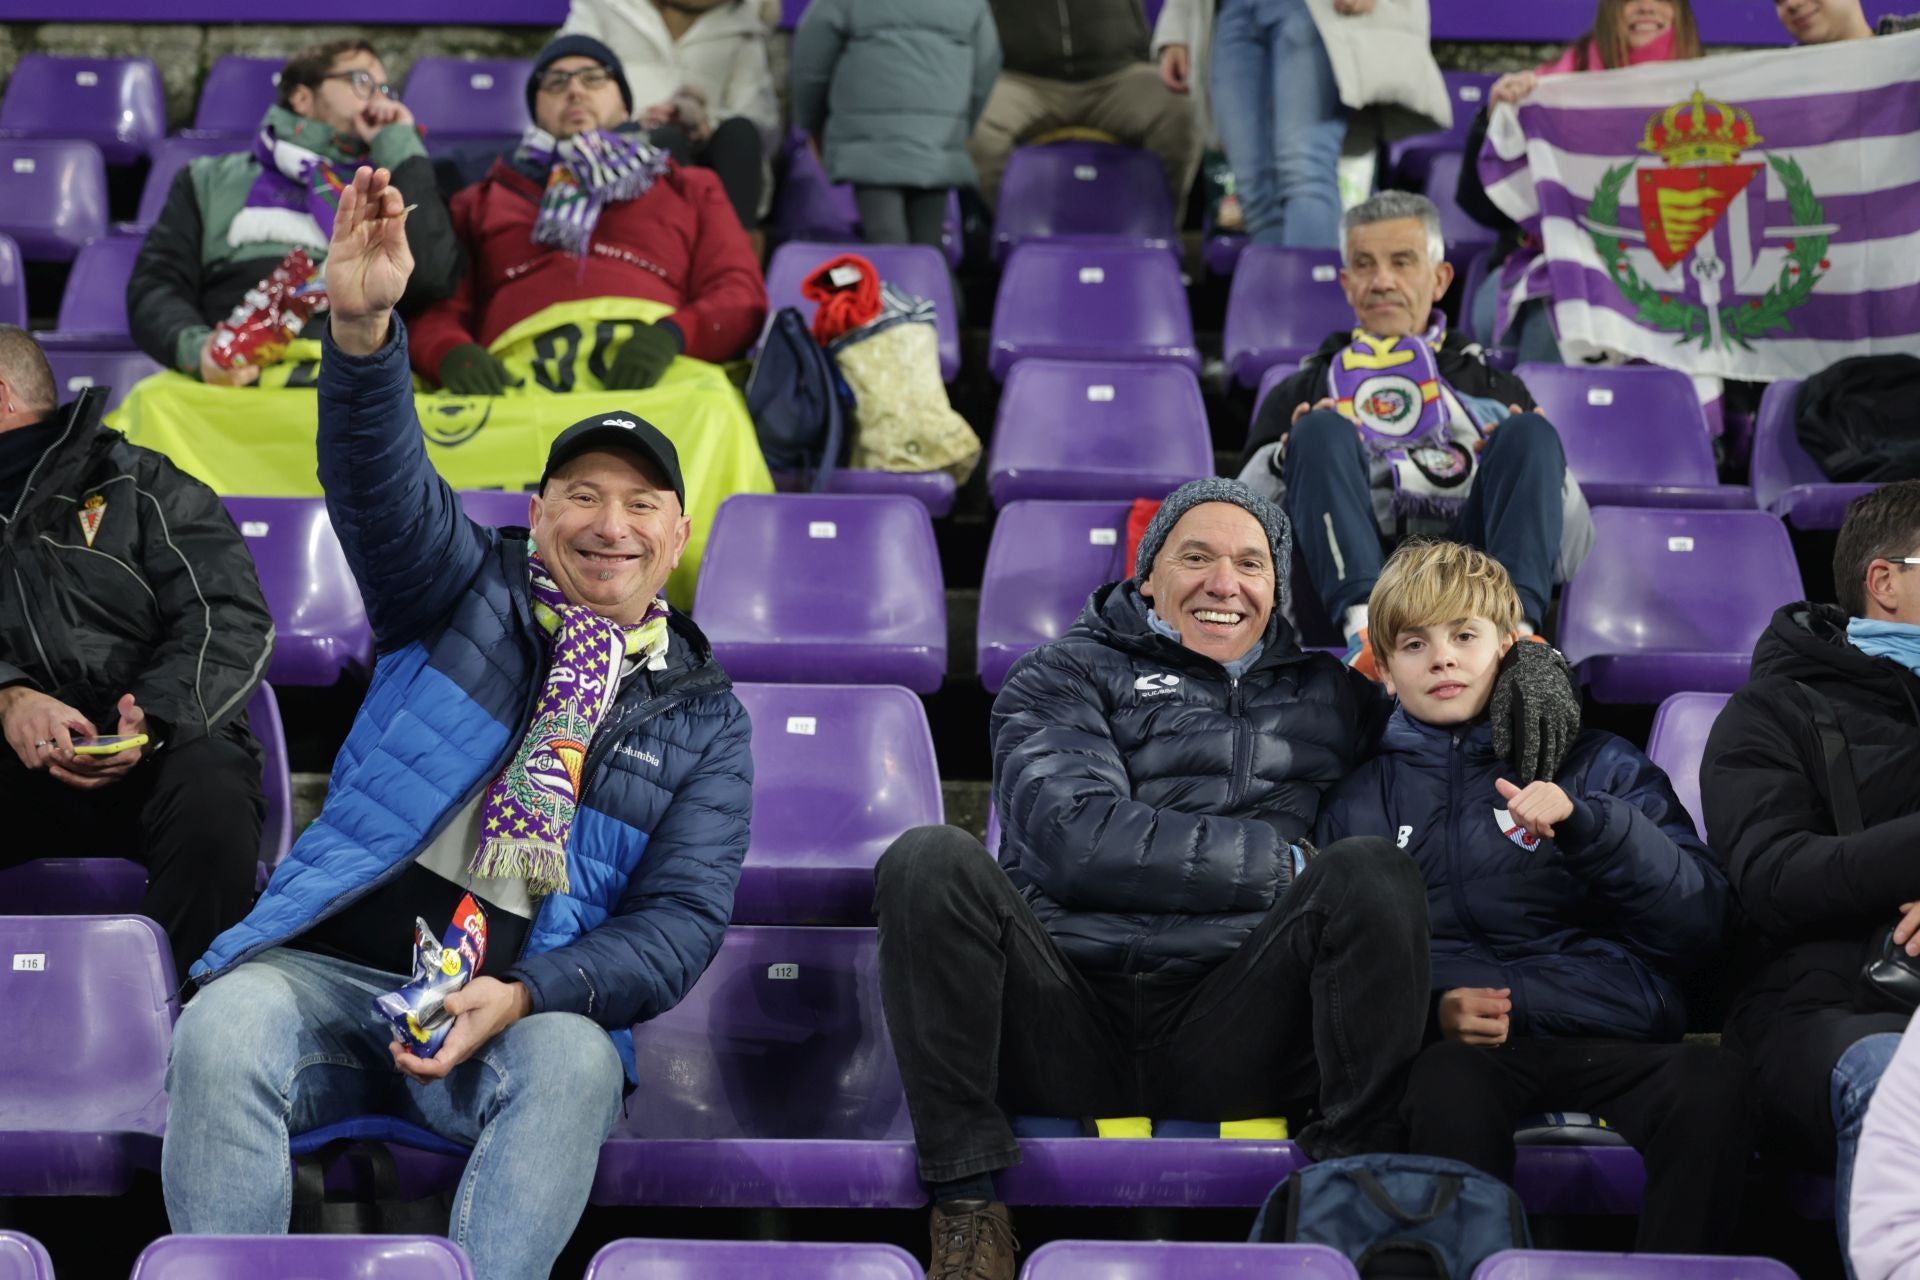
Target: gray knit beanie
1220	489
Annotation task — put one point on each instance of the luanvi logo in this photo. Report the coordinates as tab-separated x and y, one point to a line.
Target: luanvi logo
1158	683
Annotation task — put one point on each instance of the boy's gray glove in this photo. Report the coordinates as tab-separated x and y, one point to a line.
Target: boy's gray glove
1535	710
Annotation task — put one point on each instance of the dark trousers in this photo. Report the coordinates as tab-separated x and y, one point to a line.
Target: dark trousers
901	215
1514	512
732	151
190	813
1683	1107
1319	1011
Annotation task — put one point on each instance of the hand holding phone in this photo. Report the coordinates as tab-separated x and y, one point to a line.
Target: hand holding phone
108	744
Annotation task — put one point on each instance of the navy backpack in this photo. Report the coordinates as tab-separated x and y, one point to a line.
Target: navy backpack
796	399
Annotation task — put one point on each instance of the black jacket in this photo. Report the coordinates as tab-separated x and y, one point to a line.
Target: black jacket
1071	39
1148	800
163	604
1812	898
1462	363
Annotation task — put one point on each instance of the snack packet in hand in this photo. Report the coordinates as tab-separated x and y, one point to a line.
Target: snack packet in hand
271	315
417	1011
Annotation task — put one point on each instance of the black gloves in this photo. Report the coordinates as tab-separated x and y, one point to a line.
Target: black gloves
471	370
1535	710
643	358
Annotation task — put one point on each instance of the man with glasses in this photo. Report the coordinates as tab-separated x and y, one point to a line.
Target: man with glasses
1808	787
229	220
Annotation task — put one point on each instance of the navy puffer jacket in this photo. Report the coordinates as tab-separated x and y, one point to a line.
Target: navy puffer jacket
1590	929
1148	799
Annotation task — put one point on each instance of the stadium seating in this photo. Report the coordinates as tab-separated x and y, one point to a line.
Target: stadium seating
1473	275
114	103
1410	158
93	307
56	196
322	632
839	771
1095	430
750	1260
913	268
808	206
934	490
1463	236
1634	436
1084	191
1541	1264
1674	600
824	589
305	1257
469	99
1281	307
86	1017
235	97
74	370
13	284
1786	479
497	508
1164	1260
1091	302
23	1258
1679	741
170	156
1044	559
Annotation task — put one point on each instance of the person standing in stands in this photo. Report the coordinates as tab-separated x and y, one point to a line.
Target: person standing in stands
130	607
1809	787
543	734
890	91
585	208
230	219
699	70
1825	21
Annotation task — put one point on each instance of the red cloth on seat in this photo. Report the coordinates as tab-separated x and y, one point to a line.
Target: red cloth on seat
842	307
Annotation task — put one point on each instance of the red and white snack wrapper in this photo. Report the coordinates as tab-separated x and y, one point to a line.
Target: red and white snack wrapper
271	315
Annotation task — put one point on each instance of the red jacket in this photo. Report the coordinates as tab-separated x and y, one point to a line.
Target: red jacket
679	243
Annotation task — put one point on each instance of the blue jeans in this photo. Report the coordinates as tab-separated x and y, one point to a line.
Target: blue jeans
1855	1077
288	1042
1278	111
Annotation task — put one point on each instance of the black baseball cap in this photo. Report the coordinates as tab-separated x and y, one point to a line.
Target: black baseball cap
618	430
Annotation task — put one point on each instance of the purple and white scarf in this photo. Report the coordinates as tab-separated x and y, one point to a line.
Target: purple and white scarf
1391	389
304	166
584	172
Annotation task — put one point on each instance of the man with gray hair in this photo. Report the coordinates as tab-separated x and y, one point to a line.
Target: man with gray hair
1389	430
1158	939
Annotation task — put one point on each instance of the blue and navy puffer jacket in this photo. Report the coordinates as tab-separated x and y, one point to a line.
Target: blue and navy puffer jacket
1148	799
667	785
1590	929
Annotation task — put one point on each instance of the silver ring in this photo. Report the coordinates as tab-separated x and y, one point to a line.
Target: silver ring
44	743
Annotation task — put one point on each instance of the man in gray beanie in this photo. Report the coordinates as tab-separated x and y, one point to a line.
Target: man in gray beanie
1158	939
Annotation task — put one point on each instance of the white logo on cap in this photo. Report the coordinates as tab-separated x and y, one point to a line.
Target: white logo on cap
619	422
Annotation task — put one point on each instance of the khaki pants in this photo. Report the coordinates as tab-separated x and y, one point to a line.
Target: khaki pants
1131	104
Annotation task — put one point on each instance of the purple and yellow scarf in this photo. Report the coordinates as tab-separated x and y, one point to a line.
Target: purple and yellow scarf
1391	389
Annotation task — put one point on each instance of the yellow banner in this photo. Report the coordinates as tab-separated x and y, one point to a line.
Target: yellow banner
260	440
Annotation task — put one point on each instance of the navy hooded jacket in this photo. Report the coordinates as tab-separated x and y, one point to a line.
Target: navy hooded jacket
1591	929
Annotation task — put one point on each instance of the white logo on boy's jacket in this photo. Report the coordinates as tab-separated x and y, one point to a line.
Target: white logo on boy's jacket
1514	831
645	757
1406	834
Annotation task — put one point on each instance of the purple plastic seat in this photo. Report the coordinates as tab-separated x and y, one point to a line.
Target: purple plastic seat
170	156
1674	600
1174	1173
750	1260
321	627
1091	430
1410	158
470	98
1084	190
1542	1264
236	96
1043	562
1163	1260
1679	740
934	490
839	771
1580	1178
497	508
790	13
1786	479
86	1017
1091	302
824	589
1473	276
1281	307
23	1258
114	103
302	1258
807	205
1221	254
93	307
75	369
1634	435
13	284
56	196
772	1083
914	268
1463	236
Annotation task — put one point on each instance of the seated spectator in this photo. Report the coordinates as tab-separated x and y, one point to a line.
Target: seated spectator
1357	452
1287	79
1564	915
1082	64
1825	21
1159	939
505	660
1808	785
699	70
586	209
891	93
1885	1213
230	219
131	608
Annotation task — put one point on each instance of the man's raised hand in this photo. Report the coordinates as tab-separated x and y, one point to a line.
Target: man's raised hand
368	261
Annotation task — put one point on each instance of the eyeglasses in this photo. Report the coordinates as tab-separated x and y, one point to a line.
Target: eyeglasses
362	83
1902	559
591	78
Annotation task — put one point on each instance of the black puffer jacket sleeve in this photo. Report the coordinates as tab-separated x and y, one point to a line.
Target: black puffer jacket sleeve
439	258
164	292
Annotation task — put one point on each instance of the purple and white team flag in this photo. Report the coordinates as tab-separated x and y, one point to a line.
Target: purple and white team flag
1752	216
